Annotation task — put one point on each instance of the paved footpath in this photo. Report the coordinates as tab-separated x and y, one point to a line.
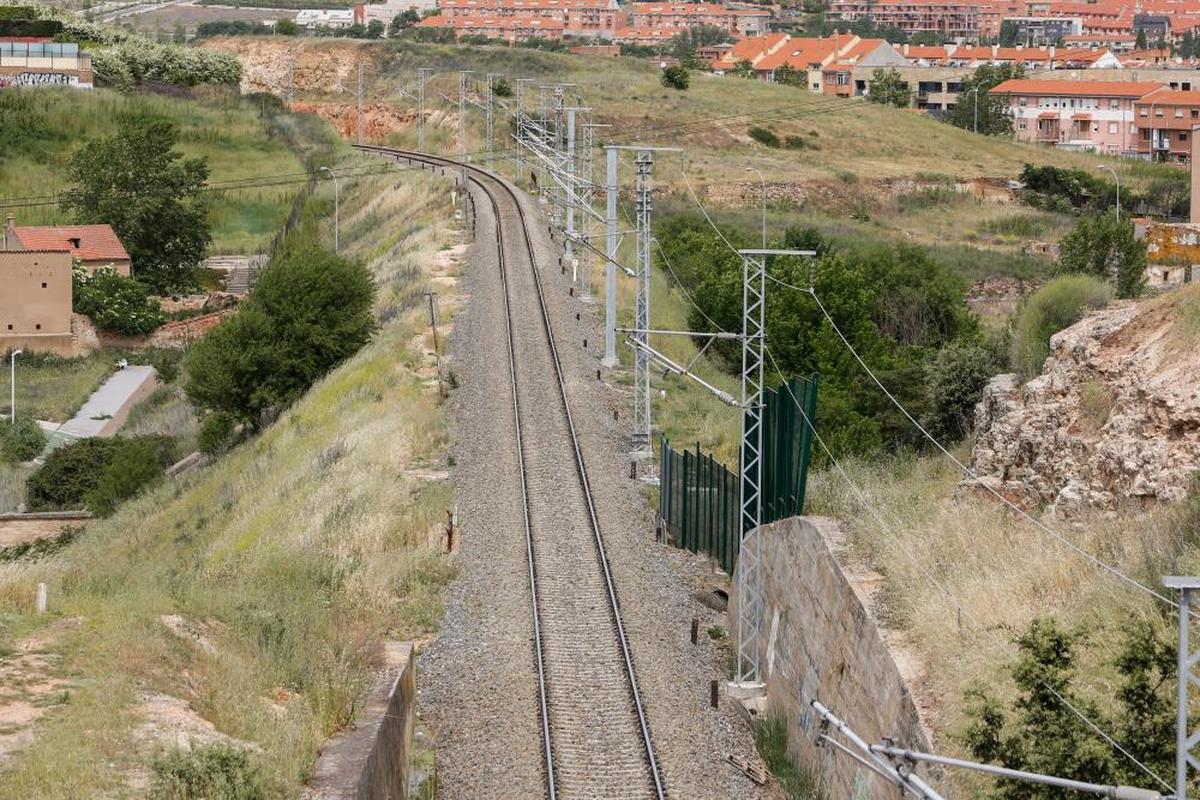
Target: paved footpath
105	411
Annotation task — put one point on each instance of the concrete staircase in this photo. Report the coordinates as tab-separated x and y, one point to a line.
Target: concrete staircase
240	271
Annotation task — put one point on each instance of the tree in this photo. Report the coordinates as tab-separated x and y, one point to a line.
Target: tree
1042	731
1009	33
956	377
685	44
994	117
676	77
1107	249
502	88
1139	42
889	88
287	27
790	76
403	20
743	69
152	196
179	35
309	311
375	29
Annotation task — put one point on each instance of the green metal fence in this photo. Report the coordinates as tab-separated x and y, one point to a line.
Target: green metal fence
698	495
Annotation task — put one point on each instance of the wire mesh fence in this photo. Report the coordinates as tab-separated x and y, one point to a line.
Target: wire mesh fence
698	495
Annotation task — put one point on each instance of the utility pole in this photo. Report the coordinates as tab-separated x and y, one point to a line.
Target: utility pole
610	260
358	128
489	119
1185	738
555	198
522	126
422	76
641	376
570	198
462	125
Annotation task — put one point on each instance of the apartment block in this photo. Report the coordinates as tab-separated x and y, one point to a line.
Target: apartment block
953	19
1082	115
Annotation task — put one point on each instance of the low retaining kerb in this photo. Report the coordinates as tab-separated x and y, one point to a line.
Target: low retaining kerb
372	760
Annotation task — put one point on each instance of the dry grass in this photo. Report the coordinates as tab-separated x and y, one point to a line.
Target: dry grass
12	486
964	576
294	554
52	388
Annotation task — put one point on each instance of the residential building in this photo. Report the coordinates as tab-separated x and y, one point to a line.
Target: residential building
1036	31
1166	119
583	18
325	18
35	306
1082	115
953	19
33	61
645	37
509	29
827	64
91	246
743	21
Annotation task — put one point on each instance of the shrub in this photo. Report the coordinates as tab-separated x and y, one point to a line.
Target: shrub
216	433
799	143
309	311
133	467
676	77
217	771
115	303
956	378
21	440
764	136
1060	303
72	473
1108	249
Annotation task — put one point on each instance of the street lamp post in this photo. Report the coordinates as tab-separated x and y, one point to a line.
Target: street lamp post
336	202
12	386
764	203
1116	180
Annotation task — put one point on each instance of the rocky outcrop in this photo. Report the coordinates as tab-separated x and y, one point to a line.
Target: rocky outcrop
1114	418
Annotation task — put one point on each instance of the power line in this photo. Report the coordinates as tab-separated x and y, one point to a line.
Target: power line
893	537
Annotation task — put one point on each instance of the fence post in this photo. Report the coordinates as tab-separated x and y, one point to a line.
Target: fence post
682	537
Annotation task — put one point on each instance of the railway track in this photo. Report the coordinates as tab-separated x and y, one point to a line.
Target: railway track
595	736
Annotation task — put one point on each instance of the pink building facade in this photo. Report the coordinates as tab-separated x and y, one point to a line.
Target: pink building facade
1097	116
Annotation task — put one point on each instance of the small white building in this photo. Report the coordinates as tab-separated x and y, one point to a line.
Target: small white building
325	18
366	13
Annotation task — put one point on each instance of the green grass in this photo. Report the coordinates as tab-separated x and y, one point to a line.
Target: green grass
294	554
219	126
51	388
771	738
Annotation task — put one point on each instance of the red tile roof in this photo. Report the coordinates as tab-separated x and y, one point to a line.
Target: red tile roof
1064	88
96	242
1165	96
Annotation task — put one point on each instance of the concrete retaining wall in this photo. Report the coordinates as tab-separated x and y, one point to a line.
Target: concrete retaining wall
18	528
821	642
372	760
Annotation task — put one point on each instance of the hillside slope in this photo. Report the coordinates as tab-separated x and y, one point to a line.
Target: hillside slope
246	602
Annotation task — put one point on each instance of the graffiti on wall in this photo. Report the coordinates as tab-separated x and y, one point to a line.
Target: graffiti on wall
39	79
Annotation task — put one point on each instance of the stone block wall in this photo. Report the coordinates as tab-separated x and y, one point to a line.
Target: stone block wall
821	642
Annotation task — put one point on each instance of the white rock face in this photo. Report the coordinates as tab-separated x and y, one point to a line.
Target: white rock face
1113	419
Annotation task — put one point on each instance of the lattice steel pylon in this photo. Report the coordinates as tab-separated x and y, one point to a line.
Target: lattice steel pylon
754	270
1186	739
641	373
569	195
749	569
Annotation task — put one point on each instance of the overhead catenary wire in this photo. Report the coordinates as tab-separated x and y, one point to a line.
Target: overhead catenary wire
927	575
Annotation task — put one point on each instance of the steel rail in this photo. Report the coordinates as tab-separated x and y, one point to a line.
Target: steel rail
479	177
